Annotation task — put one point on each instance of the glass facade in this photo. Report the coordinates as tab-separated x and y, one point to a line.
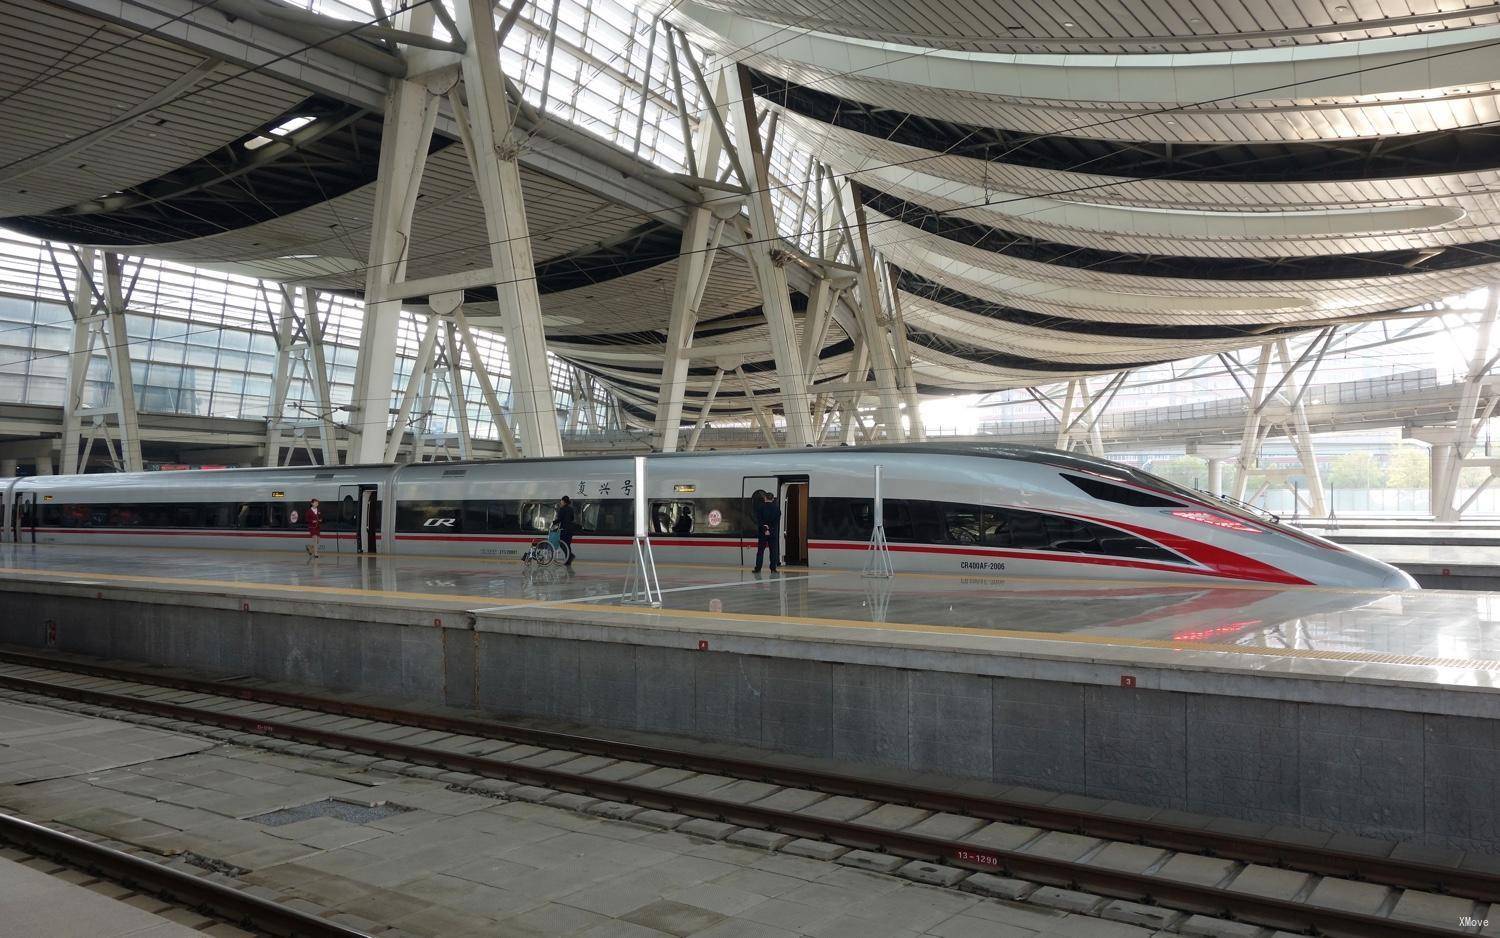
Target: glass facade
202	343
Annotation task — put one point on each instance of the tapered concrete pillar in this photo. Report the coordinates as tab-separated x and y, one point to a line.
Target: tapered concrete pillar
1216	476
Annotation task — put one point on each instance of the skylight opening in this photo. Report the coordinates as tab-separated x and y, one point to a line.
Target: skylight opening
290	125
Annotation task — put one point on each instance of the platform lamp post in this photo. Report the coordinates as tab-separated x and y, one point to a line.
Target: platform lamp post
642	586
878	554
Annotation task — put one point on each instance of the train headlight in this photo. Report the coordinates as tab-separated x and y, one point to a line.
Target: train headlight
1217	520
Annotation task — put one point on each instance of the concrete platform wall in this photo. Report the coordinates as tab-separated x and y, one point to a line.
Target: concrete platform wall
1389	772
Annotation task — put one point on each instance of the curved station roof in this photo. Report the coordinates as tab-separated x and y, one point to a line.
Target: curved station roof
1060	189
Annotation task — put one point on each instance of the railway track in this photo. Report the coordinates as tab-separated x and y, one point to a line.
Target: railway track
171	885
491	749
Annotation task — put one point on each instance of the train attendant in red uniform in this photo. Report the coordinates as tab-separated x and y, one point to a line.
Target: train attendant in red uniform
314	526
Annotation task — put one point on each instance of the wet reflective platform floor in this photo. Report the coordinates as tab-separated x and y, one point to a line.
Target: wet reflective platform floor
1419	638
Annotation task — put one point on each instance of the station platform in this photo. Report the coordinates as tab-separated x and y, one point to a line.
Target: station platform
1465	555
1366	712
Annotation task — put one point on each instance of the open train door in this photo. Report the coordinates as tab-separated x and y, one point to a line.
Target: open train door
748	487
794	520
25	519
792	492
359	511
369	518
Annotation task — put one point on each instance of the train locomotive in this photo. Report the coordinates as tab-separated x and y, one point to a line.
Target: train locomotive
970	509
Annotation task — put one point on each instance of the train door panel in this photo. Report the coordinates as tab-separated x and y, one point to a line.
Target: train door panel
348	514
25	518
369	519
794	521
359	511
749	486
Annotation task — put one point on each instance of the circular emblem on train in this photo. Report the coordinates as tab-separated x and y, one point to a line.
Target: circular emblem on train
294	516
715	517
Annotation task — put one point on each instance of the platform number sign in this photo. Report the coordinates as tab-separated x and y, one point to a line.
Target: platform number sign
1127	680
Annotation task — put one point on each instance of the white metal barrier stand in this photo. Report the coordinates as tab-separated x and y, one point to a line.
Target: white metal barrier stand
878	553
642	586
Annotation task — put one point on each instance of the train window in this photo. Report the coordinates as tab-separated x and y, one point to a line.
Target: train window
1119	494
853	519
606	516
276	514
672	517
250	515
843	519
964	523
187	516
503	517
536	517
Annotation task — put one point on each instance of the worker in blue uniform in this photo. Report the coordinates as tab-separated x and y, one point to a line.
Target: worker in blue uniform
767	515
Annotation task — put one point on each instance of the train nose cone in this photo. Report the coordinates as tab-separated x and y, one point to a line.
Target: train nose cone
1397	579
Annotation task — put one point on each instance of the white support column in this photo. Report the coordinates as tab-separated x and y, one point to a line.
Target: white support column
872	322
1065	419
848	404
119	360
1252	437
1301	436
762	420
81	304
316	363
299	346
700	241
98	306
420	371
705	408
1082	408
457	399
1278	405
281	373
493	147
498	414
917	430
766	258
1450	455
410	112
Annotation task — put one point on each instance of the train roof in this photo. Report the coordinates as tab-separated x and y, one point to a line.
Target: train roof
1034	454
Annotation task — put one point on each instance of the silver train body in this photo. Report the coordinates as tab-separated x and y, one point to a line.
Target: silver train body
974	510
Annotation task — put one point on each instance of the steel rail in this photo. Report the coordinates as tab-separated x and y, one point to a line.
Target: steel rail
1277	913
225	902
1387	871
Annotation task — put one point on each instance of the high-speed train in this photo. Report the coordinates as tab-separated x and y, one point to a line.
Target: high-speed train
972	509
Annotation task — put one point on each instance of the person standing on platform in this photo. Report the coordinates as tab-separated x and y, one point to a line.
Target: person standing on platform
767	515
314	527
567	526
